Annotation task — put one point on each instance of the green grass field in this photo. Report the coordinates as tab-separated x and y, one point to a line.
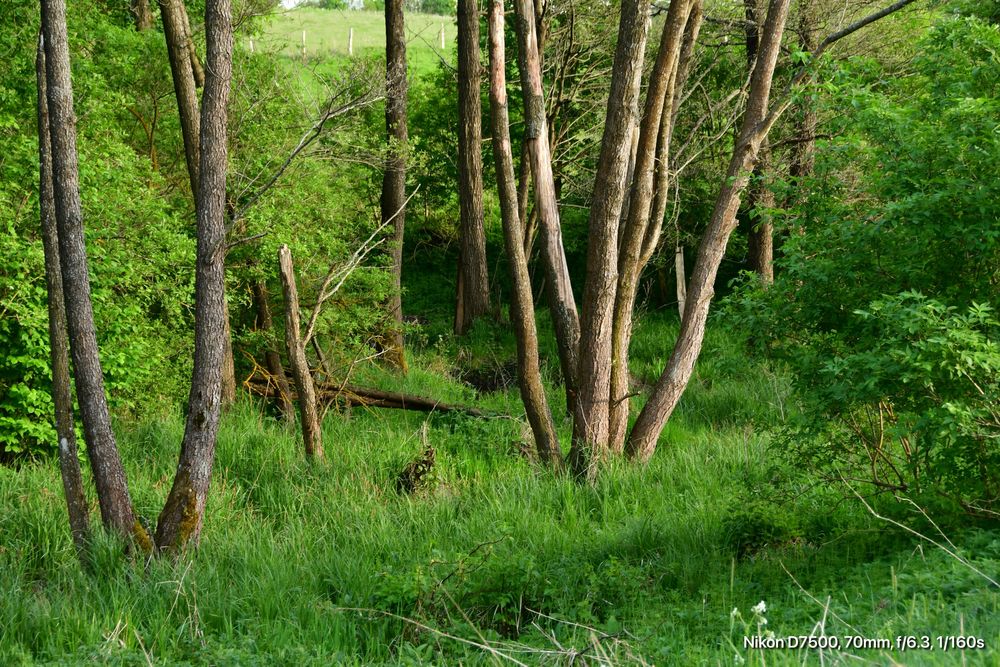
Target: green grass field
326	34
495	561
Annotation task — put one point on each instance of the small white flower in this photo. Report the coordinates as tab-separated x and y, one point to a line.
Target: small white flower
759	608
739	659
734	613
762	621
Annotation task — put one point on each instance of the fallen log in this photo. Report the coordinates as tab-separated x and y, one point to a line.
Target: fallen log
329	392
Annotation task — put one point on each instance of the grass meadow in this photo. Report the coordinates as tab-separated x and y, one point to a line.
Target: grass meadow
327	32
494	560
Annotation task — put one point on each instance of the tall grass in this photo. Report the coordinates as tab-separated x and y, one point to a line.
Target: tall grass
494	551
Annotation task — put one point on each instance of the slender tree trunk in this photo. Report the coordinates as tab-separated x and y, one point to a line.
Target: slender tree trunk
642	440
181	520
312	434
473	279
143	15
175	20
760	240
196	69
180	51
590	416
562	303
760	243
109	475
394	180
272	357
69	464
522	304
804	148
653	141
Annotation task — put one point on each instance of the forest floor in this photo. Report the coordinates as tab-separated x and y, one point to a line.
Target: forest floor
492	559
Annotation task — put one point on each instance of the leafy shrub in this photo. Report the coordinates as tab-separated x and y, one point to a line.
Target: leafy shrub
883	306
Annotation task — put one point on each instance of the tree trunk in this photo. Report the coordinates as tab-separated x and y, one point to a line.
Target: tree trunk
272	356
143	15
642	440
654	135
175	21
312	434
197	71
393	200
804	147
522	304
760	239
181	520
473	279
180	50
562	303
69	464
109	476
760	243
590	416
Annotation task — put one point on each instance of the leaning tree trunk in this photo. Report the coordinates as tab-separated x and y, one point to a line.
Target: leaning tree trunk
105	462
273	358
522	304
590	415
760	241
562	303
196	69
652	147
181	520
312	434
642	440
69	463
473	299
393	200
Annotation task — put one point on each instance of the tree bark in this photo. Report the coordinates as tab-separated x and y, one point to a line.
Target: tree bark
143	15
180	51
109	475
473	279
590	415
181	520
69	464
393	199
562	303
312	434
272	357
197	71
642	440
804	147
522	304
175	21
653	146
760	241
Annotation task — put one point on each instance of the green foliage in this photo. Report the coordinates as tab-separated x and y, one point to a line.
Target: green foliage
883	306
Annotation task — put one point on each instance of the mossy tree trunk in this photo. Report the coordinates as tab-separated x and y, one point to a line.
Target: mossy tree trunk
181	520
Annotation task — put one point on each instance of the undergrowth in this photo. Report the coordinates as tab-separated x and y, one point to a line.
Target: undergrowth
493	559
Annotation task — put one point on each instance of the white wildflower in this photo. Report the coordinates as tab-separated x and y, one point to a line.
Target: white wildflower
734	613
759	608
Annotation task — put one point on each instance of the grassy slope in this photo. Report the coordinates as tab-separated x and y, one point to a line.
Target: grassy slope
327	32
661	552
